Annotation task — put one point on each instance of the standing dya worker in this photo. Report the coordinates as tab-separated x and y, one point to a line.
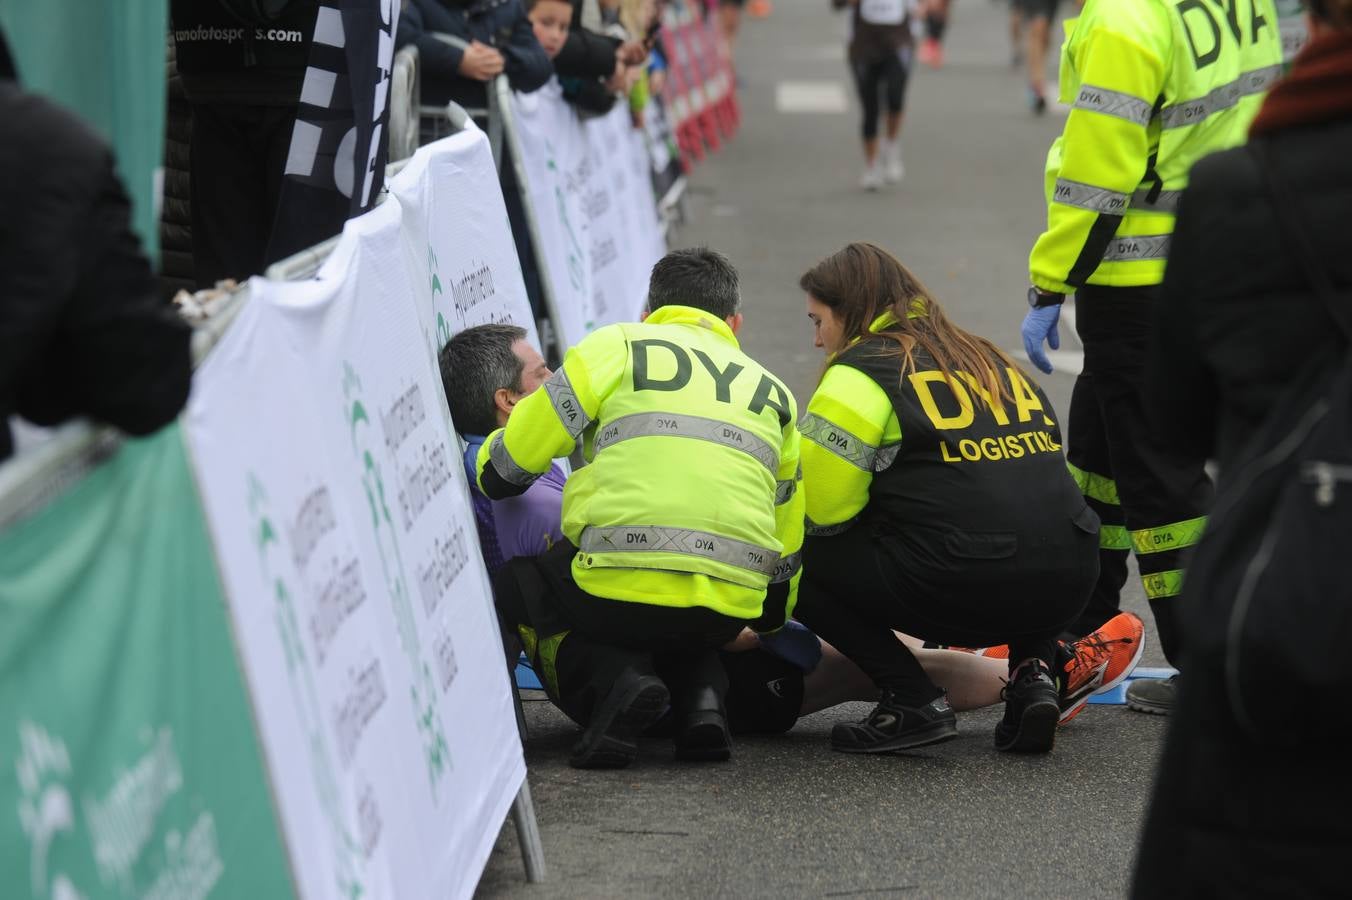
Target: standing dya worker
938	504
1153	87
686	525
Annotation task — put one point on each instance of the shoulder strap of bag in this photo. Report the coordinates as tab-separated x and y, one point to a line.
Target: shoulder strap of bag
1297	238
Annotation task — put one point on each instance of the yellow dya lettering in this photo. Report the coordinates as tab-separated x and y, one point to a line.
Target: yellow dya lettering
1013	450
969	450
990	448
921	383
1025	398
947	454
978	388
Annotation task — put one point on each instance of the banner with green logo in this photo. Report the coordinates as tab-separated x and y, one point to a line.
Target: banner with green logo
128	762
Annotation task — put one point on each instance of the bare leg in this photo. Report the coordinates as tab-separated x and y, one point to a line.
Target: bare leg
1038	30
870	150
972	682
893	127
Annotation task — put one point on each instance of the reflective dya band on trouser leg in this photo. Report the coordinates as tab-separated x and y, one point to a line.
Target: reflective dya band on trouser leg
847	445
566	406
1099	487
1114	537
1177	536
506	467
1159	585
696	427
654	539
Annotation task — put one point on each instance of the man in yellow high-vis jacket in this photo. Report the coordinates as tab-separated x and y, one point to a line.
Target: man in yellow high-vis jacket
1153	86
687	523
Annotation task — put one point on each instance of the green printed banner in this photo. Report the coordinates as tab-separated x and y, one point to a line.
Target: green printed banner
128	762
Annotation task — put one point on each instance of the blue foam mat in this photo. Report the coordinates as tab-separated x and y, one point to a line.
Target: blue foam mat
527	680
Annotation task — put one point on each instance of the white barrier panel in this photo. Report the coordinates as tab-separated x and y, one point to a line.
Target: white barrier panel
346	542
459	239
599	231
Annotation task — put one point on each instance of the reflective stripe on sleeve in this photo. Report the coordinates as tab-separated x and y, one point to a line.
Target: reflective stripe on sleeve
507	467
1129	248
570	412
1166	202
1087	196
698	427
1190	112
815	530
848	446
787	567
784	490
686	542
1176	536
1114	103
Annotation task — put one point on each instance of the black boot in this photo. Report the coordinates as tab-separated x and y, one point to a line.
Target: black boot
892	726
611	739
702	733
1032	711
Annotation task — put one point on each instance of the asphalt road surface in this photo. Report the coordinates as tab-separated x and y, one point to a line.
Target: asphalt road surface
787	817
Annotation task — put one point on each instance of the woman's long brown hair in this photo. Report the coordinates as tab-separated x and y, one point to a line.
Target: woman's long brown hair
862	281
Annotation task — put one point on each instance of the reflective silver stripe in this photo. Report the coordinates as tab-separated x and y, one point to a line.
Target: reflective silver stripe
784	491
828	530
1087	196
1190	112
566	405
887	454
507	467
849	447
1114	103
653	539
787	567
1166	202
1139	247
698	427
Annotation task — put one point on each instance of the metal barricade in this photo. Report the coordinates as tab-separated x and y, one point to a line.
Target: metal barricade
436	121
405	104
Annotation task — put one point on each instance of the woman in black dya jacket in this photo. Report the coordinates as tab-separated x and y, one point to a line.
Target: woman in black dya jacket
1239	322
501	41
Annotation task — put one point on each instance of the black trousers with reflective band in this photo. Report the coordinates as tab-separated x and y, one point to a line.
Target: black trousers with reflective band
582	643
860	585
1143	491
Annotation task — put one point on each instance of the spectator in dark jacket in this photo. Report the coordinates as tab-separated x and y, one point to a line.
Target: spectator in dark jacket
82	332
501	40
1239	322
176	263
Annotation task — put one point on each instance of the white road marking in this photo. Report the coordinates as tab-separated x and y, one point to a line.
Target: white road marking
810	97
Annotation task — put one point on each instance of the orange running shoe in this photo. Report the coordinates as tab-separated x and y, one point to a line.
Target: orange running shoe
1100	661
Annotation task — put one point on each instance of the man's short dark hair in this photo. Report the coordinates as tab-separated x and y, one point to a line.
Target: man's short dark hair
697	277
474	365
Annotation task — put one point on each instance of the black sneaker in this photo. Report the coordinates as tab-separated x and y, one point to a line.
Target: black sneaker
1152	695
1032	710
611	740
892	726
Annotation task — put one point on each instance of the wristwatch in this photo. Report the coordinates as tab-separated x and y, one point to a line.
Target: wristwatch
1038	298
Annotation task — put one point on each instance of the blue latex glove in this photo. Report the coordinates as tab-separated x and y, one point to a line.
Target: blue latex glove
1038	326
794	643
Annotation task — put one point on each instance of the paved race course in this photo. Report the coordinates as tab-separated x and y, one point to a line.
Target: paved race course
787	817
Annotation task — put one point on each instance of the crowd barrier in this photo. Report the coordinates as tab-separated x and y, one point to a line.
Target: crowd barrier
255	653
701	89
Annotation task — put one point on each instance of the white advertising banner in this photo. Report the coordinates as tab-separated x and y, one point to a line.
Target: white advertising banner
599	231
458	238
337	503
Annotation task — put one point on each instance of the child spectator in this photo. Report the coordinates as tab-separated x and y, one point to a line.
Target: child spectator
500	40
550	20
